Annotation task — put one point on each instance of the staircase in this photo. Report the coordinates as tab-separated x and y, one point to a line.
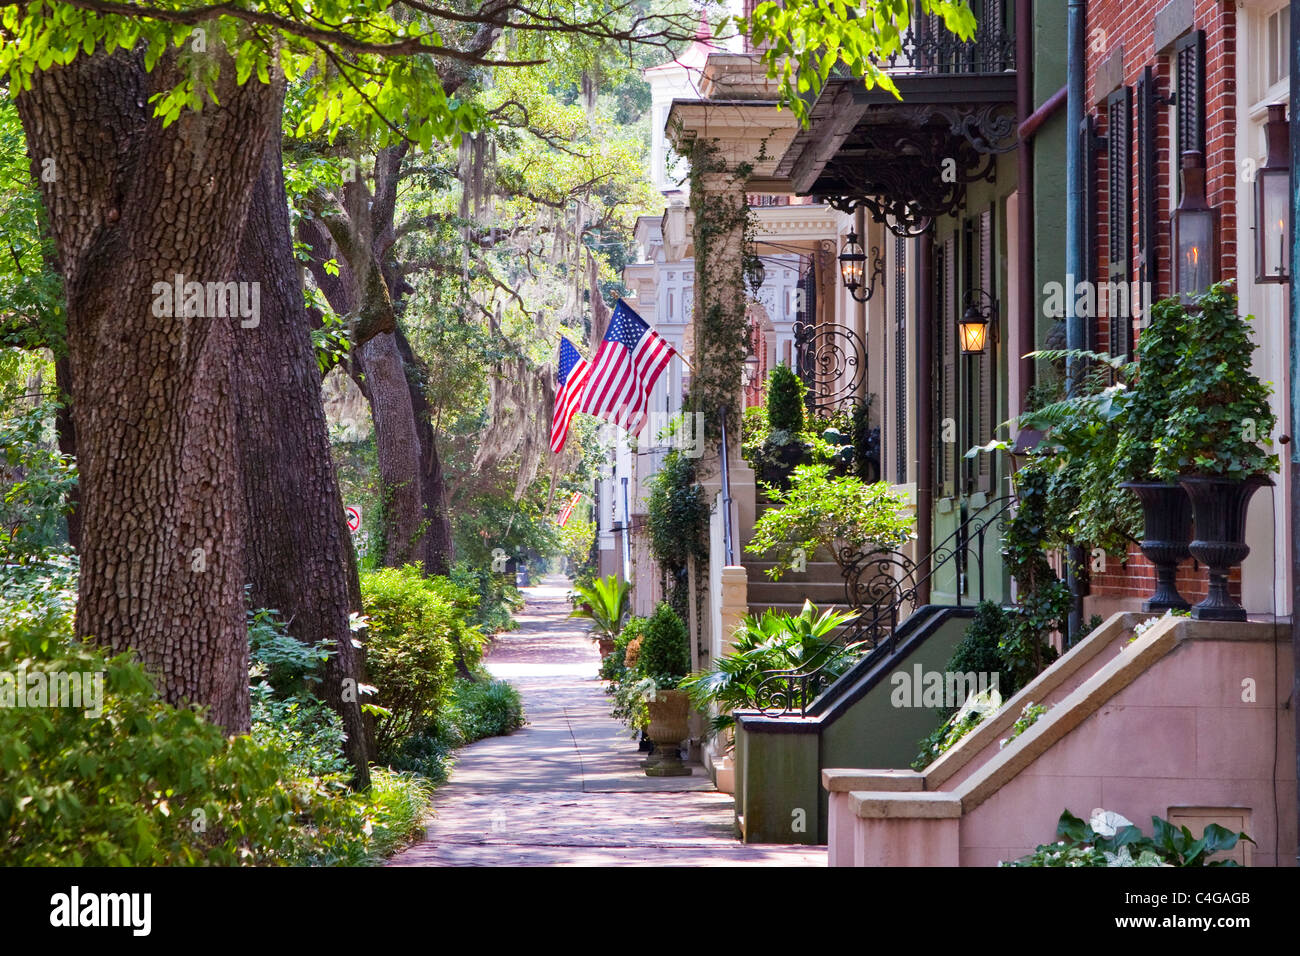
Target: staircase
822	583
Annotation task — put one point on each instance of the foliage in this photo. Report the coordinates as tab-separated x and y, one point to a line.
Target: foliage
146	783
665	649
802	43
1029	715
497	596
409	649
286	664
948	734
678	520
35	479
841	514
399	802
1220	409
480	708
785	404
606	603
768	644
304	728
614	666
1108	839
979	649
1043	600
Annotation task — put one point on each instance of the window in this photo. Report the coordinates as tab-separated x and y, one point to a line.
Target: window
1278	52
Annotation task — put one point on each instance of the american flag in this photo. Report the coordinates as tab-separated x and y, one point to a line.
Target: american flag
567	511
624	370
574	370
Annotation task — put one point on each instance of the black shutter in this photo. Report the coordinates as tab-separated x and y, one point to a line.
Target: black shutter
946	315
1119	214
985	362
1189	69
1148	263
900	359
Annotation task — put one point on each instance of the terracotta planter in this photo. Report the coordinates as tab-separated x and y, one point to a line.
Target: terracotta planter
1166	535
1219	507
668	728
606	647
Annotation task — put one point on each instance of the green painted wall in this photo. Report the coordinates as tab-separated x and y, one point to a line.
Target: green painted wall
1049	155
778	775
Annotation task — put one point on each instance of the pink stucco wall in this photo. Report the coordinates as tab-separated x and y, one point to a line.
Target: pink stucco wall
1180	735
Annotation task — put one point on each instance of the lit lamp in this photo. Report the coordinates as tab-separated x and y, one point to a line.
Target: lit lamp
853	266
1273	200
751	370
1195	233
973	329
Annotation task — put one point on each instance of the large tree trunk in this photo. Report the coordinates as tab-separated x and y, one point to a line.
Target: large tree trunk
298	553
66	432
382	375
133	204
433	483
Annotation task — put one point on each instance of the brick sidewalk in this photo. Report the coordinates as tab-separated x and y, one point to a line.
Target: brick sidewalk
568	788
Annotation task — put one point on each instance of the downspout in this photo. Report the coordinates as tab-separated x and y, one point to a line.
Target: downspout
1075	330
1294	373
925	322
1025	320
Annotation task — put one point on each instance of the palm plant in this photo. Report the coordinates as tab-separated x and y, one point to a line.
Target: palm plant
762	645
607	603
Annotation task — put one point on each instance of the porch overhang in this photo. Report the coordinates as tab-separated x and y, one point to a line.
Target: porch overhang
906	160
743	131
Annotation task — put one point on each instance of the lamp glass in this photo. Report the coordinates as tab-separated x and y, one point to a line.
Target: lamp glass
974	329
852	260
1194	266
1272	212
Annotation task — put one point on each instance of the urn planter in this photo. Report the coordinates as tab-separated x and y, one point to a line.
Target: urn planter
606	646
1166	536
668	728
1219	507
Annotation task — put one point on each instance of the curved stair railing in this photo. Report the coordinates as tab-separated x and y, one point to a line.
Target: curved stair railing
880	585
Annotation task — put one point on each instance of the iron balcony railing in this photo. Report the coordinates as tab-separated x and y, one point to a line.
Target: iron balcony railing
929	49
884	587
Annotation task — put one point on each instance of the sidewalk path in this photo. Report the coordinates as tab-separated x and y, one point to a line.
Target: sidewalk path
568	788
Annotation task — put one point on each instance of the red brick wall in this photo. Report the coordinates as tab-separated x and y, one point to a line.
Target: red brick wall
1114	22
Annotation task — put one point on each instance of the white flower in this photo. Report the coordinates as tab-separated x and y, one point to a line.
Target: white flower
1106	823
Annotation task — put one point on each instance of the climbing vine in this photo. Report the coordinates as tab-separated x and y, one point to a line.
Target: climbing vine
721	337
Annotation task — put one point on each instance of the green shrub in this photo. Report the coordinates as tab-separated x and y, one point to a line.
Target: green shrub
979	648
785	404
144	783
1108	839
398	804
665	649
287	664
306	729
487	709
410	655
426	754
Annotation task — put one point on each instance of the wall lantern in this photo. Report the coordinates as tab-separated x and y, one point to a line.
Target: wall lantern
1195	233
755	273
1273	200
853	263
750	373
974	326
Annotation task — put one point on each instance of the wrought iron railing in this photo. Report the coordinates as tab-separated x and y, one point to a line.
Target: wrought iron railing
928	48
885	588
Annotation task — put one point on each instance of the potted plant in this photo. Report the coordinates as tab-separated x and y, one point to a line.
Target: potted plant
783	446
607	603
1166	509
1215	438
662	663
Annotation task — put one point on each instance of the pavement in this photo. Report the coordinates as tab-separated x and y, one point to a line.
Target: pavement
568	789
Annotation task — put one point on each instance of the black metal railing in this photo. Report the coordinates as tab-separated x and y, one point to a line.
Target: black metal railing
928	48
885	588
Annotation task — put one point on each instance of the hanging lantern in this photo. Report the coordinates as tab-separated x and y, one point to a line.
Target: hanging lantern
1273	201
853	267
1195	233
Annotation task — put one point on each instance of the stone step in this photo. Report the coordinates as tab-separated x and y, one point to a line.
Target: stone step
814	572
819	592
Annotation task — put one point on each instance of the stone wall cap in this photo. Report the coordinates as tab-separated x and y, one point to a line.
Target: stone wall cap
880	805
843	781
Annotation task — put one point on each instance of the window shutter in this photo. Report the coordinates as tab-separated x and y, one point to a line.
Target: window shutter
1189	62
900	359
1119	213
985	362
948	354
1089	148
1148	265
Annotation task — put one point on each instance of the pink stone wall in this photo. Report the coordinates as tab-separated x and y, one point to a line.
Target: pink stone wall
1179	736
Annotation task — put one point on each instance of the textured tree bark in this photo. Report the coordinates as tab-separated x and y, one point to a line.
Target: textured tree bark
67	436
298	553
404	443
133	204
433	484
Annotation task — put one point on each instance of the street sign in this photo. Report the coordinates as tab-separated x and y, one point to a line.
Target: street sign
354	518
